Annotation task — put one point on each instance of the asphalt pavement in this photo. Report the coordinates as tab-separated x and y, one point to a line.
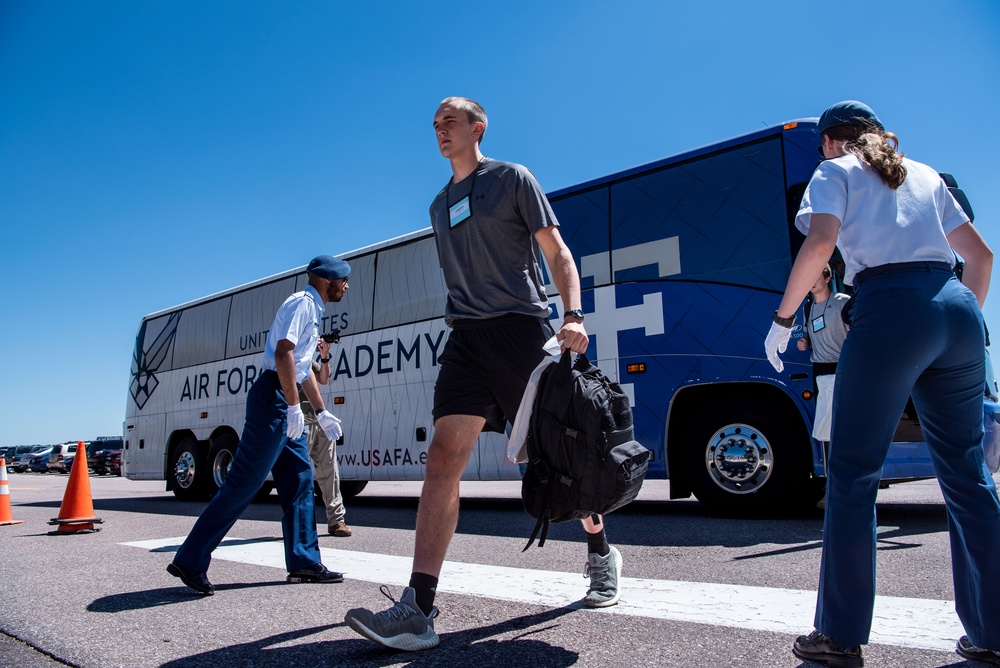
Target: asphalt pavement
104	599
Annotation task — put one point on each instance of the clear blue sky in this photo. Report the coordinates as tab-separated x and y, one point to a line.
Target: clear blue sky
155	152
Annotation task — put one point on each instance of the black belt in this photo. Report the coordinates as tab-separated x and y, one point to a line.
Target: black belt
927	265
824	368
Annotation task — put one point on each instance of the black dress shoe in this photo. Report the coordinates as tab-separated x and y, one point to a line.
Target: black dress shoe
197	581
315	573
970	651
825	650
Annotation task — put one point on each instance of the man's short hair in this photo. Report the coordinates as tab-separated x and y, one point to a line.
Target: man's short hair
473	110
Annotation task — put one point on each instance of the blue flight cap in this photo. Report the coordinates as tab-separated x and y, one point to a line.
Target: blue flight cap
849	112
329	267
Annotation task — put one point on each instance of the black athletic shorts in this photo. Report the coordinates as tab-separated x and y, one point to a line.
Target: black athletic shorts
485	367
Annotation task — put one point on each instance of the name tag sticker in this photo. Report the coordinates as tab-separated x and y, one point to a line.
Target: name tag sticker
818	324
459	211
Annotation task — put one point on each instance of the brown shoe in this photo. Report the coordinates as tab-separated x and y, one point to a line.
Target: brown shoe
340	530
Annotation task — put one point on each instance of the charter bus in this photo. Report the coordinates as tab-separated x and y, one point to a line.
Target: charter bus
682	262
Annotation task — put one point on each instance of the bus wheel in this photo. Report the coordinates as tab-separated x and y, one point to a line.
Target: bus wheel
220	458
740	458
188	471
351	488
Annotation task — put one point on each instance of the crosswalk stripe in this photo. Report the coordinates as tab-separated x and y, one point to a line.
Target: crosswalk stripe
904	622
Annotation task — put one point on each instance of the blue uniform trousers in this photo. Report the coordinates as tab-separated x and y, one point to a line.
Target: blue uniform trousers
919	332
264	447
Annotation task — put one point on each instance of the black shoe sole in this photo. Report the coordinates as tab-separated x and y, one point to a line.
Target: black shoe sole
834	660
176	571
975	656
310	579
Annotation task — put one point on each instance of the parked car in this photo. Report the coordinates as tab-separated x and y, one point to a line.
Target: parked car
38	462
108	459
97	453
62	456
20	462
13	453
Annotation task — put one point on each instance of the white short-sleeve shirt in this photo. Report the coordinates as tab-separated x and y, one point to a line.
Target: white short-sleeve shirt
298	321
879	225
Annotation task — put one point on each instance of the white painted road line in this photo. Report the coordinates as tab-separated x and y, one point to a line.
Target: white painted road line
904	622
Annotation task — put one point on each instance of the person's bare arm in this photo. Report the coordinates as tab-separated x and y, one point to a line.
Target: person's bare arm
978	259
311	390
813	256
323	377
572	334
284	360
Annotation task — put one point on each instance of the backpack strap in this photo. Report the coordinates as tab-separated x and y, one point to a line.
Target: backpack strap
543	524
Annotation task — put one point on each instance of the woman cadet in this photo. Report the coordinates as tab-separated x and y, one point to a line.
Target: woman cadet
915	330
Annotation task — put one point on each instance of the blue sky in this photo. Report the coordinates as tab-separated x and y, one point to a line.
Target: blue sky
155	152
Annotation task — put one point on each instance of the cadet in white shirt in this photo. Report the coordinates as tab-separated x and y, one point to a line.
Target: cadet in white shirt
273	440
897	224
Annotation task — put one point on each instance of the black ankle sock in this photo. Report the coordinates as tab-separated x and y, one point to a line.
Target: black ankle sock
425	587
598	543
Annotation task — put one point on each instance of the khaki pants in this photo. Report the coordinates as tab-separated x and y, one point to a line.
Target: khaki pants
323	453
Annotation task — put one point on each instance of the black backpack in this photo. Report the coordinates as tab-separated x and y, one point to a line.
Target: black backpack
582	458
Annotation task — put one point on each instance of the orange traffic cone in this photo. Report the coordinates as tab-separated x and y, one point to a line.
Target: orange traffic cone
5	516
76	515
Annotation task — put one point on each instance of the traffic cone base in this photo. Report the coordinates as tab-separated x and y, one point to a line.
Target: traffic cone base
83	525
6	517
76	514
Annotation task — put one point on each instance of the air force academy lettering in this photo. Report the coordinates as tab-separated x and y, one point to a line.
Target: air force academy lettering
387	356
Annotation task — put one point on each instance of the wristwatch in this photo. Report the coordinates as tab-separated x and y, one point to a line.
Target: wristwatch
784	322
576	313
324	360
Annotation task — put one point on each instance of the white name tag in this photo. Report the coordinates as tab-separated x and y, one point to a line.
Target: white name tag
459	211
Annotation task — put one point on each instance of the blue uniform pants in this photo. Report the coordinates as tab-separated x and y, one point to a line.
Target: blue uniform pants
919	332
264	447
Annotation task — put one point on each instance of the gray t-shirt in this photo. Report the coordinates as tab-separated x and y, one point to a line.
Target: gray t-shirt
826	329
489	257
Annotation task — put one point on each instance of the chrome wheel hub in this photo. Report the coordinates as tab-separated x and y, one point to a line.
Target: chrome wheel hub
738	459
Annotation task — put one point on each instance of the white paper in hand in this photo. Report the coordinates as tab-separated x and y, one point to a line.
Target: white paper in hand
516	450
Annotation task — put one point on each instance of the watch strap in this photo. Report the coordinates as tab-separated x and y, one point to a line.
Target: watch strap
784	322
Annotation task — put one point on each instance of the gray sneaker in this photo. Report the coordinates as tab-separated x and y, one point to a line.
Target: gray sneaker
403	626
604	573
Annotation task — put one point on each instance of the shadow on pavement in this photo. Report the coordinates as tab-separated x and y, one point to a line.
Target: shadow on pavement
472	647
679	523
155	598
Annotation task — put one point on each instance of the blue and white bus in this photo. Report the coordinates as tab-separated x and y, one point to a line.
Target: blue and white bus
682	261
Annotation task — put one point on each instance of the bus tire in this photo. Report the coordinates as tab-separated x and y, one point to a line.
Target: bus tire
351	488
220	458
741	458
188	471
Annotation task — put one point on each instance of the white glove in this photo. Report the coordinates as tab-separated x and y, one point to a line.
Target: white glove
330	424
776	342
296	422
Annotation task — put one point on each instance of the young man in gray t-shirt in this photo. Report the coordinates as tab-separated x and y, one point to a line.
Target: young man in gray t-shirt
492	223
